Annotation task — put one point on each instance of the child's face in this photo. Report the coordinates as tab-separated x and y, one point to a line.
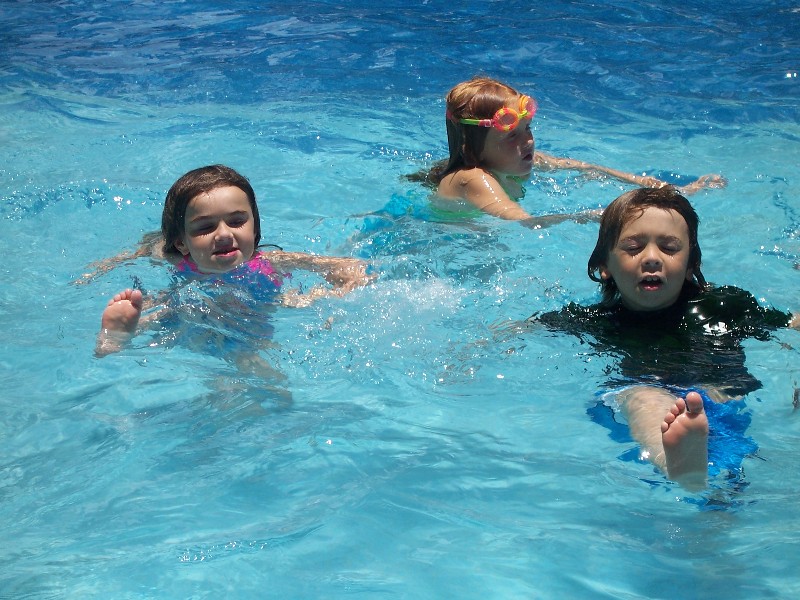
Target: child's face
219	230
650	260
509	152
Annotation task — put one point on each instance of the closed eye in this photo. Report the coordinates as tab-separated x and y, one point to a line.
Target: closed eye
670	245
205	226
238	221
630	246
202	228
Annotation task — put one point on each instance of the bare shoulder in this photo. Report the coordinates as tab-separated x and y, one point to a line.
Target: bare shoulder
461	184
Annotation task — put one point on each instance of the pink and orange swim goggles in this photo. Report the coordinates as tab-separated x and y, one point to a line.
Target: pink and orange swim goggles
506	118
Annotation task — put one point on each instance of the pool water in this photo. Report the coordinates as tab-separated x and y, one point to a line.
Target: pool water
409	446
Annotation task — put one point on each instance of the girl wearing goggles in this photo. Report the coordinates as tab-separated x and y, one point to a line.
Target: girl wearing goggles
492	154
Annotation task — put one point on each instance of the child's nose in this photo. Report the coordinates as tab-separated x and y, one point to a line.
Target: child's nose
223	231
651	257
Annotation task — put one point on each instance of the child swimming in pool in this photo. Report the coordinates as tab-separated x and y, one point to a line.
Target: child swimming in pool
677	336
492	154
210	226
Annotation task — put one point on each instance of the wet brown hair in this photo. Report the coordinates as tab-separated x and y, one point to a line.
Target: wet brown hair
630	206
191	185
478	98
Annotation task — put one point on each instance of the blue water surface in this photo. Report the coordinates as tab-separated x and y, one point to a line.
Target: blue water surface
397	442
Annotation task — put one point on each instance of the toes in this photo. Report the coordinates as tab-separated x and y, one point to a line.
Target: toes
694	403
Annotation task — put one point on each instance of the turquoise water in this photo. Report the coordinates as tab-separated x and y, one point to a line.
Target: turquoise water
412	451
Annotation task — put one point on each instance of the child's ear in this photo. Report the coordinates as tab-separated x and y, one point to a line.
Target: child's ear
690	274
604	272
182	248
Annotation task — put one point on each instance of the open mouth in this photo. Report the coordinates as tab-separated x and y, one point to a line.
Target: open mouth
225	252
651	282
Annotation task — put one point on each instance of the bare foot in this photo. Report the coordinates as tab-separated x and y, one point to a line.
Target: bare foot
123	312
684	434
119	321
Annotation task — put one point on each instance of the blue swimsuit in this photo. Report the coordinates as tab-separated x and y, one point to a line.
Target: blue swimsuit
257	276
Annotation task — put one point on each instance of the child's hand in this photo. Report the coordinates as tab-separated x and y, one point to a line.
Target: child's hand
349	275
344	274
344	278
711	181
295	299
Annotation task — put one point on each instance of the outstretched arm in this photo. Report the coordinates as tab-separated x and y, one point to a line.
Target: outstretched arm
149	246
483	191
343	273
548	162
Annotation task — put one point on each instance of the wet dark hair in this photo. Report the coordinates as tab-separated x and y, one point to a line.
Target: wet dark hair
478	98
628	207
191	185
